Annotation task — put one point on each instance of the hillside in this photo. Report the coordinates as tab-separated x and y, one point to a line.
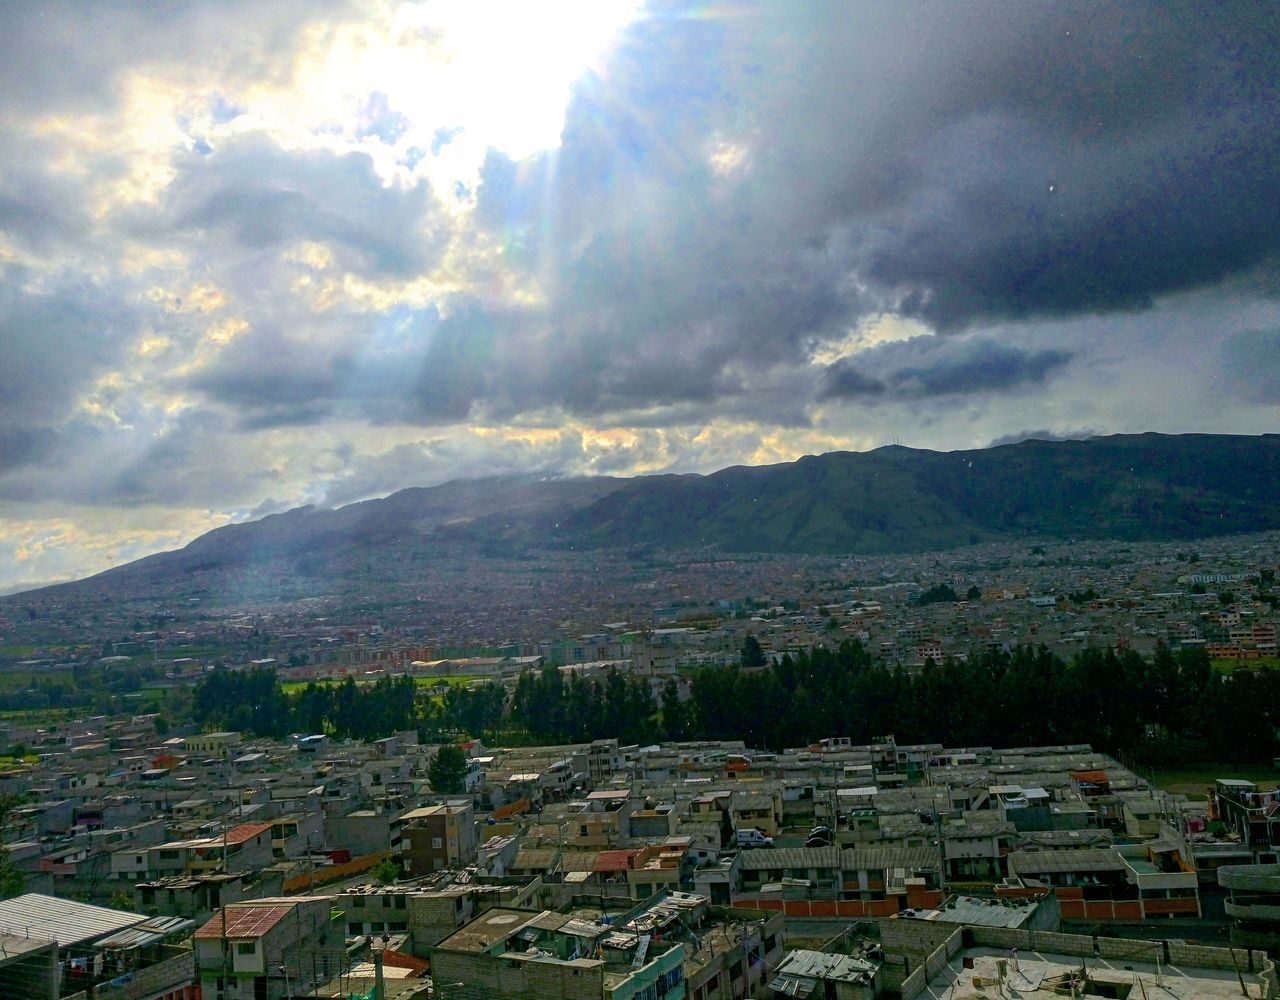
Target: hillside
893	499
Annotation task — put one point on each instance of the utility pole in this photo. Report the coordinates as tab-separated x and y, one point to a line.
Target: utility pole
379	987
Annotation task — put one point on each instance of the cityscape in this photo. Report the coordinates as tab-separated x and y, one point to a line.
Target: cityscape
639	500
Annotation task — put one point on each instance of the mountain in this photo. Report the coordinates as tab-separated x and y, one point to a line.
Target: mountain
902	499
893	499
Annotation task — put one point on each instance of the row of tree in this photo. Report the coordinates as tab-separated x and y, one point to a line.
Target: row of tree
1117	700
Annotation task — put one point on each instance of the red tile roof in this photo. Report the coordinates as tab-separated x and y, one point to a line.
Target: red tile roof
614	861
245	921
245	831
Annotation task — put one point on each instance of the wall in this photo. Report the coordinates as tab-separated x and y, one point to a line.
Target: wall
173	973
854	908
1172	952
489	977
917	981
330	873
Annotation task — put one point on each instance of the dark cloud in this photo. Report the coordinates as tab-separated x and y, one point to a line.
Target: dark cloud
957	164
843	380
1042	435
57	333
261	197
940	366
23	446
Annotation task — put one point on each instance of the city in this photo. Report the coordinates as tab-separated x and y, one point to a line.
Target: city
639	500
439	844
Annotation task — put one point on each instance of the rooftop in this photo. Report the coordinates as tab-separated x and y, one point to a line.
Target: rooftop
1041	976
66	921
487	929
977	912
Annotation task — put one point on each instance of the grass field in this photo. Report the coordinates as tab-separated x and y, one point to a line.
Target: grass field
1264	662
289	687
1194	781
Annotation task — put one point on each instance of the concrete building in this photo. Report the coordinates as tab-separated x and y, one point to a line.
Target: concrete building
438	837
268	949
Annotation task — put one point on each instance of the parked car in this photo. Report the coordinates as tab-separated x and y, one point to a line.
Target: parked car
751	837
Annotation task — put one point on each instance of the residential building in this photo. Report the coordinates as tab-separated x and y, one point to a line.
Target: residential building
439	836
268	949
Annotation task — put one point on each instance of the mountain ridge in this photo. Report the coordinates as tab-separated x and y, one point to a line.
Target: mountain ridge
890	499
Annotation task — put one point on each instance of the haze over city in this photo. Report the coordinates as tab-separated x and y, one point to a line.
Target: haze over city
254	256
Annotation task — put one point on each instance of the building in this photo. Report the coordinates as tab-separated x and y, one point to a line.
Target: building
513	954
673	945
1252	903
212	744
94	945
804	973
28	968
438	837
268	949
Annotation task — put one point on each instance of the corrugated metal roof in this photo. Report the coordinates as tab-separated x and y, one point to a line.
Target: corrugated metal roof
770	858
855	859
146	933
61	920
980	912
1056	862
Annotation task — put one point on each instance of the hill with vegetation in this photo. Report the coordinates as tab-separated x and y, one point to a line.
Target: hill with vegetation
893	499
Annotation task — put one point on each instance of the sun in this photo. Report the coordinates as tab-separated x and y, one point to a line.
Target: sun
509	66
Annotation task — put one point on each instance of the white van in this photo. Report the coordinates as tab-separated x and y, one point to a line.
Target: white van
751	837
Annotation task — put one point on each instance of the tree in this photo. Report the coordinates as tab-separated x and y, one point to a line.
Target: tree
752	654
12	881
675	716
448	770
974	593
386	872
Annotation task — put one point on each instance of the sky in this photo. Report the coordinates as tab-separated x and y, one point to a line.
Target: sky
257	255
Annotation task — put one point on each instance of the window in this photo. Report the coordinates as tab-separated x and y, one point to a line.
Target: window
246	947
437	842
400	902
359	901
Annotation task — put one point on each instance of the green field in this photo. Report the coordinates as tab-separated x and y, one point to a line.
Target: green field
290	687
1264	662
1194	781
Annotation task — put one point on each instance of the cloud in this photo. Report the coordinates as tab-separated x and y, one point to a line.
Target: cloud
66	57
1043	434
842	380
58	332
963	167
929	366
259	196
1250	364
225	277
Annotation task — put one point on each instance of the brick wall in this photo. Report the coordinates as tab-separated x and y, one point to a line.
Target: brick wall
917	982
1172	952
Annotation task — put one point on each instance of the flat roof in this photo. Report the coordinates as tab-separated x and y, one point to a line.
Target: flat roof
1039	973
488	928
